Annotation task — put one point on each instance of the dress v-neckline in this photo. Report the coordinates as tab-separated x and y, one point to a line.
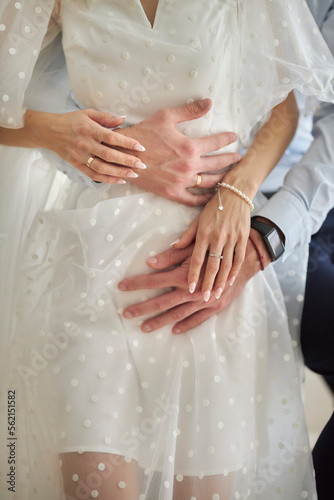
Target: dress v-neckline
144	15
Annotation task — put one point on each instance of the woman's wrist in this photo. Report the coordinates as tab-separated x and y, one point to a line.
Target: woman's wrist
241	179
37	126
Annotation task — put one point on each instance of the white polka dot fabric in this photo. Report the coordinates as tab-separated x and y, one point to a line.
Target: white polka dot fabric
215	413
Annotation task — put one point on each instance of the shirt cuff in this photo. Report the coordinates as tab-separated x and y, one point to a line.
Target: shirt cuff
291	216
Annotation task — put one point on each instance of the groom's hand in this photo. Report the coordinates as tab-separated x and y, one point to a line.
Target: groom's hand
179	307
173	160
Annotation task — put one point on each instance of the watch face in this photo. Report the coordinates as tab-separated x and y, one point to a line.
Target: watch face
275	242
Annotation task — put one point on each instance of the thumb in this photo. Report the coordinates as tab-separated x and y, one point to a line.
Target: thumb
191	111
105	119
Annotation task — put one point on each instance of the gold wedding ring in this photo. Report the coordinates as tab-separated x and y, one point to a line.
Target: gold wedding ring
198	181
89	161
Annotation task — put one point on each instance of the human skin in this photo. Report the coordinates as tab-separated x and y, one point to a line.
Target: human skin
179	308
174	160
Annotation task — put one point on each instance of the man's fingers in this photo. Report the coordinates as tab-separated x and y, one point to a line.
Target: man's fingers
169	258
170	317
193	320
157	305
215	142
150	281
214	163
190	111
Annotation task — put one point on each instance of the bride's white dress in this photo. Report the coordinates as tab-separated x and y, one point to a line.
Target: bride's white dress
221	404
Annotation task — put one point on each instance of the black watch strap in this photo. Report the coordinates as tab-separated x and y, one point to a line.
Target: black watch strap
270	236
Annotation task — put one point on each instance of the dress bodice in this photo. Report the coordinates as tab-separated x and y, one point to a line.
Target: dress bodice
119	63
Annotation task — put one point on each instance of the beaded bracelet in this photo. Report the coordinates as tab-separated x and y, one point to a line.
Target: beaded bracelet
236	191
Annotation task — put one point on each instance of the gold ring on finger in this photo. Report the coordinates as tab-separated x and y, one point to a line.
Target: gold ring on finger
89	161
217	256
198	181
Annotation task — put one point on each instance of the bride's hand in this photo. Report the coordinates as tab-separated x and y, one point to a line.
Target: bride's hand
83	139
220	243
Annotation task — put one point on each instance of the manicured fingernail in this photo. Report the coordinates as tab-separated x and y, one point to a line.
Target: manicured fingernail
127	315
174	242
204	103
218	293
139	164
139	147
120	117
192	287
146	328
152	260
176	331
120	181
206	295
132	175
232	280
122	287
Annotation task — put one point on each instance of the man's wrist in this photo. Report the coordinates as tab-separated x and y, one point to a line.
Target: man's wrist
272	237
261	249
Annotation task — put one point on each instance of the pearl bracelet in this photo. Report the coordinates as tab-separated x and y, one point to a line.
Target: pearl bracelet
236	191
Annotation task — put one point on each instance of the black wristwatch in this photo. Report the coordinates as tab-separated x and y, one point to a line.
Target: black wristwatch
270	236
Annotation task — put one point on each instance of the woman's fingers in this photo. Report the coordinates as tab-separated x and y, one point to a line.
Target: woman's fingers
197	262
213	264
105	179
110	169
114	139
112	156
110	137
239	257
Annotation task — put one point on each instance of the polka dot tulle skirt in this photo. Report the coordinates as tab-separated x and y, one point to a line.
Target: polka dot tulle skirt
213	413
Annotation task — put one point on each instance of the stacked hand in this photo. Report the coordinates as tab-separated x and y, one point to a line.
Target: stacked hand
220	238
179	307
174	160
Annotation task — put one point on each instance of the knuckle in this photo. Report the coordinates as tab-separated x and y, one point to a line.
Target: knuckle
82	145
159	306
177	316
149	282
188	148
191	108
98	167
170	192
187	167
197	261
83	128
163	115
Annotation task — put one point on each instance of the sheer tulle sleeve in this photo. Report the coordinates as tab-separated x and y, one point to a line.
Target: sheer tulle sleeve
280	49
25	28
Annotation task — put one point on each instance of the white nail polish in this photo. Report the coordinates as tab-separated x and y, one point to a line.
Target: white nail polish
218	293
232	280
139	147
132	175
192	287
174	243
206	296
